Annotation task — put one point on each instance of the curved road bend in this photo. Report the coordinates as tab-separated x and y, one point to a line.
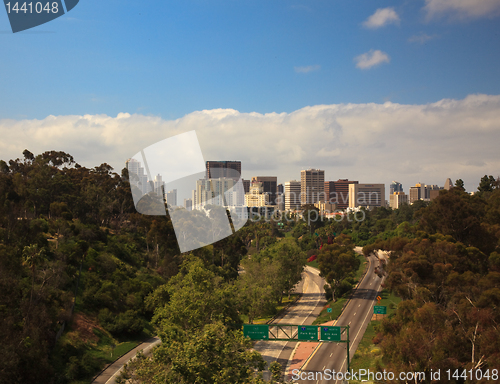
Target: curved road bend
357	315
303	312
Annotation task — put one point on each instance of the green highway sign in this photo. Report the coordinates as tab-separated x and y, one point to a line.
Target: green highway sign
330	333
380	309
329	310
308	332
256	331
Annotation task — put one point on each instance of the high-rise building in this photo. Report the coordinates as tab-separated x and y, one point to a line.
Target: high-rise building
256	197
448	184
397	198
159	184
269	185
423	192
337	192
280	197
218	192
171	198
395	187
312	186
292	195
366	195
218	169
246	185
188	204
137	177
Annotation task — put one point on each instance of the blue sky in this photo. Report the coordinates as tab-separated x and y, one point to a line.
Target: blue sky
169	59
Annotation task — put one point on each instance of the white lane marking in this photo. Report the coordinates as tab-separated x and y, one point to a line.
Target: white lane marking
331	354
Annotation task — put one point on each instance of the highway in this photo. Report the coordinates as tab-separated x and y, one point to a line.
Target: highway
357	315
303	312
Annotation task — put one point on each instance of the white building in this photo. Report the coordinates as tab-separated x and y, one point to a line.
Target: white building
292	195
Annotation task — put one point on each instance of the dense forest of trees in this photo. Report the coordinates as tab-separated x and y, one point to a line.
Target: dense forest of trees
73	247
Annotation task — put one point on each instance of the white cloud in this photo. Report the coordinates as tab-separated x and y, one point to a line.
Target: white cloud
421	38
366	142
382	17
371	58
309	68
462	9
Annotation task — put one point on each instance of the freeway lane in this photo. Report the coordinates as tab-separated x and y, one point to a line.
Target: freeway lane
357	315
303	312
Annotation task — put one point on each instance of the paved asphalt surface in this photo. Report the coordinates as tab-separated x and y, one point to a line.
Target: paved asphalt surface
357	315
303	312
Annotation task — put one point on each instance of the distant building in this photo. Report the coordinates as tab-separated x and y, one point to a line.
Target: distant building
423	192
246	185
257	197
171	198
395	187
188	204
269	185
312	186
280	197
338	192
217	192
448	184
292	195
325	208
137	176
366	195
220	169
397	198
158	185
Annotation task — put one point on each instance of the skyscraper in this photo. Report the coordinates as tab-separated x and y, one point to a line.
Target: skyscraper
218	169
395	187
312	186
292	195
269	185
337	192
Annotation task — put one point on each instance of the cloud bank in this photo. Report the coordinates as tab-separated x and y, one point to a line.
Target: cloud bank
371	142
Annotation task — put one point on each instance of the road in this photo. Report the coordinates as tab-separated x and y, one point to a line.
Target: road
357	315
303	312
110	374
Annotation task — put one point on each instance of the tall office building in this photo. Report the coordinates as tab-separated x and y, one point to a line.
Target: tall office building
292	195
218	169
397	198
337	192
171	198
395	187
280	197
312	186
188	204
138	178
257	197
366	195
269	185
159	184
423	192
218	192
